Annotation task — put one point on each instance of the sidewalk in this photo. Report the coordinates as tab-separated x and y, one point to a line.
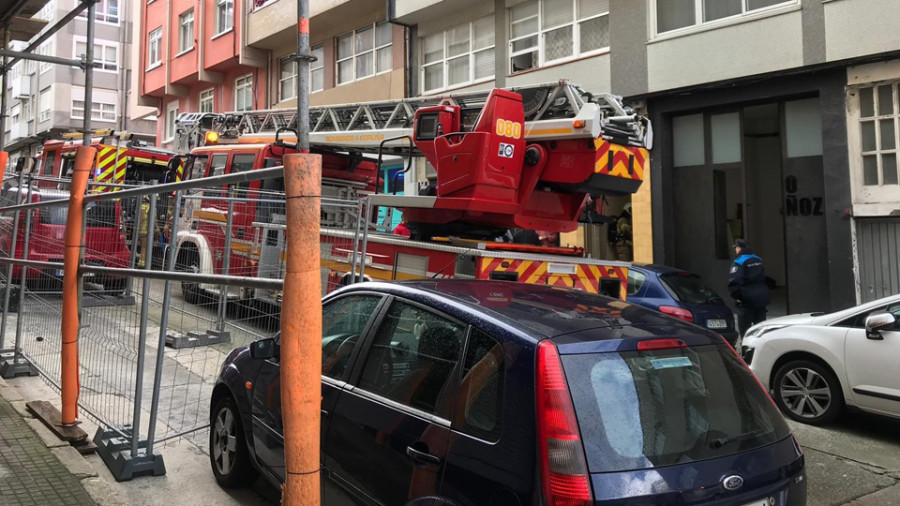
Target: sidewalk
32	472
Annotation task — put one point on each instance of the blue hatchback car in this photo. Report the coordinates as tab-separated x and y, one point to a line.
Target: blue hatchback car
683	295
496	393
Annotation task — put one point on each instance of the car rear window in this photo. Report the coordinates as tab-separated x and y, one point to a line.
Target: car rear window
648	409
689	288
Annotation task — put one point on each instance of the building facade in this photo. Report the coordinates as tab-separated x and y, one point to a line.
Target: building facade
47	100
776	120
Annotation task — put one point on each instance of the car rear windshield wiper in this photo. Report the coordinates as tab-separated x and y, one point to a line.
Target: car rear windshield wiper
722	441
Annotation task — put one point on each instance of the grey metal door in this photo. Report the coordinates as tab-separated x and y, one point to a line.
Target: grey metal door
878	254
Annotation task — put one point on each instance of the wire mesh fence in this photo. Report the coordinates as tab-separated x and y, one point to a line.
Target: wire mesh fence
171	281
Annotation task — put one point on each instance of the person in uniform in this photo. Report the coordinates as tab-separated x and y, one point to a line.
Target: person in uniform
747	285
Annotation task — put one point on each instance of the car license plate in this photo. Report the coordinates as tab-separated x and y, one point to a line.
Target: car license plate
716	324
762	502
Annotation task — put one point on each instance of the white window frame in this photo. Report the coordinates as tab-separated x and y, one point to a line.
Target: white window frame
445	60
876	119
317	66
355	55
281	79
96	114
45	49
185	32
47	12
155	35
101	12
541	31
700	25
46	103
207	96
240	84
226	8
100	47
171	108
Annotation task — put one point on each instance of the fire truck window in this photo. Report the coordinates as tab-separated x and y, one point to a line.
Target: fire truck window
67	166
47	169
426	129
242	163
198	169
217	164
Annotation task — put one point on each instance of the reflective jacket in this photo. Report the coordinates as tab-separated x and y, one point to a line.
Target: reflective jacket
747	281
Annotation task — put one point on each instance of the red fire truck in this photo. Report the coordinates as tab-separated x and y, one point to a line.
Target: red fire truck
121	159
528	158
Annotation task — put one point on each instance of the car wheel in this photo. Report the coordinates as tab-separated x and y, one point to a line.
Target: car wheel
228	451
808	392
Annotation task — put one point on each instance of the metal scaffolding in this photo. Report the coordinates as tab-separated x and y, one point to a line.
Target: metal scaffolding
17	23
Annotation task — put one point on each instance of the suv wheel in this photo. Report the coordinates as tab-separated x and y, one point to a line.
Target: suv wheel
808	392
228	452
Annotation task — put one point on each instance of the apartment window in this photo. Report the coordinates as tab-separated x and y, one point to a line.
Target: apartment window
45	49
106	11
106	54
154	52
547	31
206	100
224	15
676	14
46	103
171	114
460	55
879	112
47	12
243	93
99	111
186	31
317	70
288	79
364	53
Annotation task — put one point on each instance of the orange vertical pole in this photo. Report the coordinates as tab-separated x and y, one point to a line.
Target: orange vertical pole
84	159
301	332
4	159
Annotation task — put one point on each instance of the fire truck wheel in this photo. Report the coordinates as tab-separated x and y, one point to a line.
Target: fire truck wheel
189	261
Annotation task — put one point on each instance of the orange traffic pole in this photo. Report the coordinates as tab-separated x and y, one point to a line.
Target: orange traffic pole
84	159
301	332
4	159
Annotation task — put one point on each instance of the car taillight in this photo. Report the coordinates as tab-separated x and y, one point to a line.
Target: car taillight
563	468
677	312
660	344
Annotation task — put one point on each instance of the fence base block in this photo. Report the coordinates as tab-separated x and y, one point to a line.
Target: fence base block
178	341
10	367
115	450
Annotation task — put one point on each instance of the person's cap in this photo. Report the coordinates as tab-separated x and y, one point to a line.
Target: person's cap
740	243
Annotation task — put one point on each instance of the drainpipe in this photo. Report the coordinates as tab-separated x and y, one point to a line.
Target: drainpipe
410	70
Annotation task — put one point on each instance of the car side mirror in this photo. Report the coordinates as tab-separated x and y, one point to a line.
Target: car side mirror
264	349
877	322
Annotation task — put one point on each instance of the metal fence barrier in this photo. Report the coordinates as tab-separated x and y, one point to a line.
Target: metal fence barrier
172	278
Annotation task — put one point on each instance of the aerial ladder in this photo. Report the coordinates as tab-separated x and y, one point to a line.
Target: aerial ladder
530	157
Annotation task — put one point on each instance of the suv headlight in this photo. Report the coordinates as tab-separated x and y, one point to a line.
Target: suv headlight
761	330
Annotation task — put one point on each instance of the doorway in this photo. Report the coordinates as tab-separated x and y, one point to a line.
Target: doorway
753	172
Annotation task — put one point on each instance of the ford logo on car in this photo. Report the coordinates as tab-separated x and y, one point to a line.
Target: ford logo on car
732	482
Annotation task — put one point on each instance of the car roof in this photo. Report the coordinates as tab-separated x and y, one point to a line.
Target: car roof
659	269
540	310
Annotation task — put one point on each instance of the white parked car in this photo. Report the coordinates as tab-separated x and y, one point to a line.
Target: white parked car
814	364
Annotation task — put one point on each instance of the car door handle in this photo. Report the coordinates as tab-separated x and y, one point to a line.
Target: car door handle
422	457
